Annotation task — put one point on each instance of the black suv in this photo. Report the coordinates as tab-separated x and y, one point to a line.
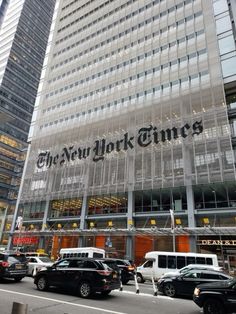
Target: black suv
126	268
184	284
216	298
13	265
84	276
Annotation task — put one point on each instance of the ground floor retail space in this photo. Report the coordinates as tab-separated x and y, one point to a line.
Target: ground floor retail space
133	247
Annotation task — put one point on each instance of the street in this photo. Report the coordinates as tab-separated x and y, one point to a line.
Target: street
118	302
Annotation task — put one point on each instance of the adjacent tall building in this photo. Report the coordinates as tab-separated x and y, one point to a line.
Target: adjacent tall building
24	31
136	116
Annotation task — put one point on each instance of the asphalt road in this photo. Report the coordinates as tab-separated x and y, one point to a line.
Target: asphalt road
118	302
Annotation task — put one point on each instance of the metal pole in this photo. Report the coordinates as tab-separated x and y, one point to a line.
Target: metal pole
174	239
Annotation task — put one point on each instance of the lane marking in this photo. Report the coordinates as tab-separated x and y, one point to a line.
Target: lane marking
63	302
145	295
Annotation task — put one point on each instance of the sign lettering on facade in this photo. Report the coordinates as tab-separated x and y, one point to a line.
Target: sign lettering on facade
145	137
217	242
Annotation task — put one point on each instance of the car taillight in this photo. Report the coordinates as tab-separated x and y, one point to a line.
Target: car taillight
104	272
130	267
4	264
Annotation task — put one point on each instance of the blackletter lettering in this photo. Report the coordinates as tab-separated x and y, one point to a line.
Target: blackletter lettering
110	147
167	134
118	149
99	150
66	155
80	152
55	159
144	136
155	135
41	160
86	152
197	128
127	142
182	130
49	160
73	155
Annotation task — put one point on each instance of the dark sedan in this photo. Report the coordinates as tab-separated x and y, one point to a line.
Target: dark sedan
184	284
79	275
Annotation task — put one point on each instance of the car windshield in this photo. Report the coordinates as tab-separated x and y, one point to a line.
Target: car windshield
184	270
45	260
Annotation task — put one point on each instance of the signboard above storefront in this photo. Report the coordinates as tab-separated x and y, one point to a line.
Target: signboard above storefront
145	137
217	242
25	240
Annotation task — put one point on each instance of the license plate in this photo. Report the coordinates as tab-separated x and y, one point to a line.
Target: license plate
18	266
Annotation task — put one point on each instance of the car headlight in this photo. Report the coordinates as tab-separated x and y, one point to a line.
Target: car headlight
196	292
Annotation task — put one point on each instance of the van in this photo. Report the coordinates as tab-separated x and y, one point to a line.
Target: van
160	262
92	252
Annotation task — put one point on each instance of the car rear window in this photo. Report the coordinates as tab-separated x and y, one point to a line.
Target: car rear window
14	258
106	267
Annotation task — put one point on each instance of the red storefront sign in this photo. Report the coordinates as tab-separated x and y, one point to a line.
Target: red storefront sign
25	240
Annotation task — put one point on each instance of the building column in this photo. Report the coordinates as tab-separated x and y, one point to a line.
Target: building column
81	241
130	224
45	216
191	217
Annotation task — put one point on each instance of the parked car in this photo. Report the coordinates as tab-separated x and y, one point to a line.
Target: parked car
125	267
13	265
216	297
184	284
36	263
191	267
80	275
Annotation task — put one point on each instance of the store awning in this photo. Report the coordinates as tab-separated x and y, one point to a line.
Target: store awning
153	231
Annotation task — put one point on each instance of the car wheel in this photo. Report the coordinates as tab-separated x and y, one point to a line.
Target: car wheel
104	293
42	284
213	306
140	278
18	279
169	290
85	290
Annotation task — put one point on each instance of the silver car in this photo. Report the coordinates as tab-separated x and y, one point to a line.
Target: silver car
36	263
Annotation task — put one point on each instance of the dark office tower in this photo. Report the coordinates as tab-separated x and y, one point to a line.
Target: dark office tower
23	40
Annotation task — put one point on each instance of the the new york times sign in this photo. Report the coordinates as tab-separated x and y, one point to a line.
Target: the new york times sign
145	137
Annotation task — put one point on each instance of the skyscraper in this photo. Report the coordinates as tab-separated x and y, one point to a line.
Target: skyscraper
3	7
135	118
24	30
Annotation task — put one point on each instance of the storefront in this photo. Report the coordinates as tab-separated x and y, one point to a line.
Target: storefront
223	246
